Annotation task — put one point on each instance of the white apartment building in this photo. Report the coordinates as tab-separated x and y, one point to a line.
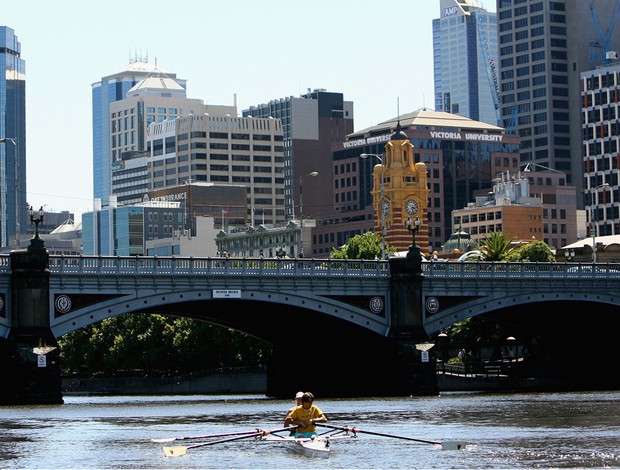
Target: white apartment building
224	150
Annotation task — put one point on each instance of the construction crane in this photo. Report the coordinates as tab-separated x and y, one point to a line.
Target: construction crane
490	68
511	127
603	39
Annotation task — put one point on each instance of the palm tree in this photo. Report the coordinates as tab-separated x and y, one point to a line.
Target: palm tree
495	246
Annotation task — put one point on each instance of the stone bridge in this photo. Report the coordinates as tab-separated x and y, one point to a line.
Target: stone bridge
353	324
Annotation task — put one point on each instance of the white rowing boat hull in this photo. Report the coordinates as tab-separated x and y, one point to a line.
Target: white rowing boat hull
315	448
318	447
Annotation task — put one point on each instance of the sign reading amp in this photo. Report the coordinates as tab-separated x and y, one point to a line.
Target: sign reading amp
450	11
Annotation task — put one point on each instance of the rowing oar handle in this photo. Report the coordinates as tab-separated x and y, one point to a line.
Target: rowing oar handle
356	430
257	433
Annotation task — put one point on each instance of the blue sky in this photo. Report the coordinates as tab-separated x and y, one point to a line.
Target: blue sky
253	50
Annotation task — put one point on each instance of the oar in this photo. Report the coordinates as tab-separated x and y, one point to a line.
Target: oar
205	436
182	450
444	445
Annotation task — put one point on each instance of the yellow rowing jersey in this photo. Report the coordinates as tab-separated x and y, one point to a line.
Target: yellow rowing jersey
302	414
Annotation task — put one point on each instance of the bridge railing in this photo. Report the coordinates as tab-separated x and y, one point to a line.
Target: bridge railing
308	267
499	270
145	265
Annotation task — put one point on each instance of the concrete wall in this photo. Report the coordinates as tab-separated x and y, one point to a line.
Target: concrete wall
224	383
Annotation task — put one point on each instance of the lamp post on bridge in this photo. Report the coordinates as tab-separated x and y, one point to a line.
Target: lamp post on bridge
413	227
381	205
414	255
36	218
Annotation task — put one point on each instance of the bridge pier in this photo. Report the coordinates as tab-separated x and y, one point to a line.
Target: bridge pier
409	339
29	356
363	364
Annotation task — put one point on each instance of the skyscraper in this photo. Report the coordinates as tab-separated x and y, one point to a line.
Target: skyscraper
13	210
311	124
109	89
600	97
464	57
543	48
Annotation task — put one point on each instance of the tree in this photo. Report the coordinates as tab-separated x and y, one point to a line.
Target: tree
495	246
364	246
535	252
147	344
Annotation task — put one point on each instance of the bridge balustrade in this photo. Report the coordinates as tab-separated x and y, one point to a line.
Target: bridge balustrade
144	265
306	267
500	270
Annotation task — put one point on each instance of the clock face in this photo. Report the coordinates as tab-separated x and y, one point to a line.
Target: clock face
385	207
411	206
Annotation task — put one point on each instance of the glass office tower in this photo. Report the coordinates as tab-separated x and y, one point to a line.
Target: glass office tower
543	48
13	209
111	88
464	61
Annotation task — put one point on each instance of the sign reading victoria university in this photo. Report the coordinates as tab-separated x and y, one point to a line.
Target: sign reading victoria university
434	135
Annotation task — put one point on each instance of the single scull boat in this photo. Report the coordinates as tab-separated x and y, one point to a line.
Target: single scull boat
315	447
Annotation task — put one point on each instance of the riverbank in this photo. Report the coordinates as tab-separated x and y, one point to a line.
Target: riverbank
255	382
251	381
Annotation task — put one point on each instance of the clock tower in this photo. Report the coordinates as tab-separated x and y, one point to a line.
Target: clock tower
405	190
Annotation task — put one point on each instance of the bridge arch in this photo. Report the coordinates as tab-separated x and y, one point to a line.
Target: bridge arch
251	311
477	306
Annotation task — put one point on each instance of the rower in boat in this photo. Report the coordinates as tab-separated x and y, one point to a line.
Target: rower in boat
298	396
305	416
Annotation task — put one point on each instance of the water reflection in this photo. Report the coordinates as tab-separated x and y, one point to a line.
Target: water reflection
571	430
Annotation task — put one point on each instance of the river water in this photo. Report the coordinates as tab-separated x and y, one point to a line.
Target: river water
547	430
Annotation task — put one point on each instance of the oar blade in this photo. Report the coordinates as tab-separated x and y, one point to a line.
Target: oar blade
165	439
453	445
175	451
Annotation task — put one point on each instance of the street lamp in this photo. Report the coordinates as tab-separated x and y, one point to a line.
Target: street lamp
592	218
442	343
381	210
301	209
413	228
414	255
512	352
36	218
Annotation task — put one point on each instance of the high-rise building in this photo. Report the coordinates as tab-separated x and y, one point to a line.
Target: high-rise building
228	152
600	98
311	123
109	89
13	207
160	140
464	61
543	48
155	99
